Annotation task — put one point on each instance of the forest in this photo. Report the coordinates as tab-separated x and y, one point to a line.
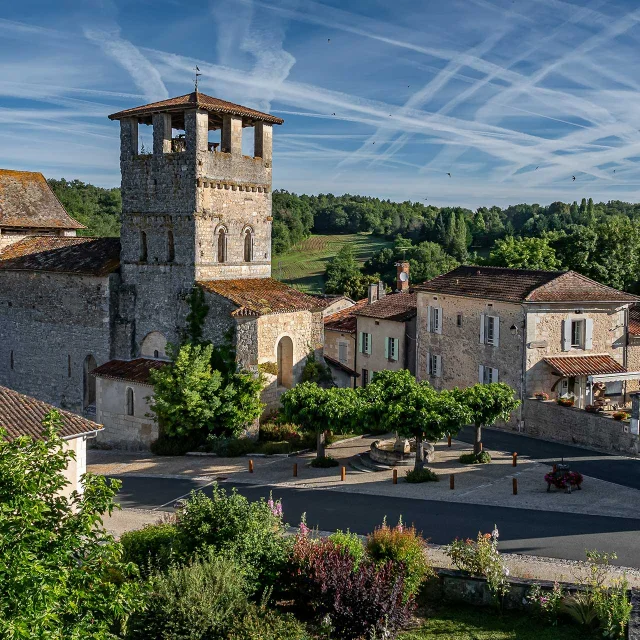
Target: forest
600	240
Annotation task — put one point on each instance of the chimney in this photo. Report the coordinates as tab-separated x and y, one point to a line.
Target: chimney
402	278
373	292
381	290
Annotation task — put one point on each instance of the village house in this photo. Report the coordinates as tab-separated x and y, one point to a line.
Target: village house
542	332
22	415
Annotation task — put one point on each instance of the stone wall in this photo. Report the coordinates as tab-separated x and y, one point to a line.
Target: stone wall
123	431
332	340
49	324
567	424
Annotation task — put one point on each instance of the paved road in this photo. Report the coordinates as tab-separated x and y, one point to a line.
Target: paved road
552	534
624	471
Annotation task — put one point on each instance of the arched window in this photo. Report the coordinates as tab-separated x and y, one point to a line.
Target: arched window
130	407
88	382
222	245
171	249
143	246
285	362
248	245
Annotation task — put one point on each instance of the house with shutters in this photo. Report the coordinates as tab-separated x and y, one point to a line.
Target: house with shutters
541	332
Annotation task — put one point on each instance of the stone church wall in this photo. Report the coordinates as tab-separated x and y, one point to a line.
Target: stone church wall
49	324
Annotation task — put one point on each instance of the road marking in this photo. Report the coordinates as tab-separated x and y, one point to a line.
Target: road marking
172	502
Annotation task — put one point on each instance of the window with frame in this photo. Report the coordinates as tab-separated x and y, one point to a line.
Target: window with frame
577	333
392	348
365	343
130	400
365	377
434	365
459	320
490	330
489	375
436	320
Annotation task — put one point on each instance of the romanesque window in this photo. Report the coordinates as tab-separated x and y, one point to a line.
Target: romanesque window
222	245
143	246
89	382
285	362
11	360
130	407
171	249
248	245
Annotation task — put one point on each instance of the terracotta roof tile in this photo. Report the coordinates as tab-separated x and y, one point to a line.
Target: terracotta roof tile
196	101
22	415
137	370
261	296
523	285
27	201
345	320
396	306
85	256
634	320
569	366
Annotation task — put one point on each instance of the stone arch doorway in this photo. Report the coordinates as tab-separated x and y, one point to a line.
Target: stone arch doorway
285	362
88	382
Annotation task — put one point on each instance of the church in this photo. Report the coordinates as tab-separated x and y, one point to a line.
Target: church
84	320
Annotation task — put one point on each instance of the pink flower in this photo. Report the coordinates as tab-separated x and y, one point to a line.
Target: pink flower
304	530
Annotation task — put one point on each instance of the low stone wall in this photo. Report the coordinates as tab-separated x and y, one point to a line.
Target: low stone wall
551	421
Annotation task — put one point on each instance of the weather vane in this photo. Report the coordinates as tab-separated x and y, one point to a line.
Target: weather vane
197	69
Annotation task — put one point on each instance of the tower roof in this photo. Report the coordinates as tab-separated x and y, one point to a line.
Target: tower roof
195	100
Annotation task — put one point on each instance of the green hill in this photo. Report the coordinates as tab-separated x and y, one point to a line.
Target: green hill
303	266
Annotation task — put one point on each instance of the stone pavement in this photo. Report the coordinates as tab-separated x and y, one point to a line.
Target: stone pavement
474	484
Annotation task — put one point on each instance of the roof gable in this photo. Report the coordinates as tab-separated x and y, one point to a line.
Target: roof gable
344	320
27	201
574	287
398	307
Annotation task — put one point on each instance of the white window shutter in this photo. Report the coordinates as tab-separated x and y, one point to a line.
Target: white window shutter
429	308
566	334
494	375
588	334
496	331
439	326
360	342
438	366
482	323
481	374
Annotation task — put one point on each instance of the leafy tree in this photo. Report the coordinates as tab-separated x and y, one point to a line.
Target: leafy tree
486	404
524	253
318	410
344	276
61	572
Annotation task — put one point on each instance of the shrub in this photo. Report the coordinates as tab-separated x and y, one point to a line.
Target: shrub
475	458
363	601
271	448
349	543
564	479
230	447
546	604
542	395
251	532
421	475
279	432
403	547
620	415
324	463
481	558
176	446
152	548
260	623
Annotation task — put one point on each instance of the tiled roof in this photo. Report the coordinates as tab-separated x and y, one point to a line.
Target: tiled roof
22	415
569	366
345	320
196	101
634	320
523	285
84	256
137	370
395	306
261	296
27	201
339	365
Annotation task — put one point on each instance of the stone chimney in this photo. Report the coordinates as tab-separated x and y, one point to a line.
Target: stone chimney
373	292
402	277
381	290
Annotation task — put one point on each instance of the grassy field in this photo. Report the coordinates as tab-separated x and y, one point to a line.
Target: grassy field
303	267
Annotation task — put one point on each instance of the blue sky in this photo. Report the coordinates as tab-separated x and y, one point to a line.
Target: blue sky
512	97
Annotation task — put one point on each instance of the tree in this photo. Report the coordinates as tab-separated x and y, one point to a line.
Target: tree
189	396
344	276
524	253
61	572
318	410
486	404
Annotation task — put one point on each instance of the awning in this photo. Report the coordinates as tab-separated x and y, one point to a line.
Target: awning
571	366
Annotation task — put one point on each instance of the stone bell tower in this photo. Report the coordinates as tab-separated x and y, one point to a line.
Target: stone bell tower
193	209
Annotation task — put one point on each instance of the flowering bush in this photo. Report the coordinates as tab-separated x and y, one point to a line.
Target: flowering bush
403	546
542	395
546	603
481	558
563	479
350	544
592	408
565	402
357	601
620	415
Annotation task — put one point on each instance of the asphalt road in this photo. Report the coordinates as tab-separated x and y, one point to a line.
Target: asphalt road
552	534
624	471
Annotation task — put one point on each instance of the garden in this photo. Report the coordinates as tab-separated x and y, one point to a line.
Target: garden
225	568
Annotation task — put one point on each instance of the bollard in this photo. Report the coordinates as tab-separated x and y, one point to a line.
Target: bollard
480	443
448	441
295	469
452	481
515	486
343	474
515	460
250	466
555	468
395	476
